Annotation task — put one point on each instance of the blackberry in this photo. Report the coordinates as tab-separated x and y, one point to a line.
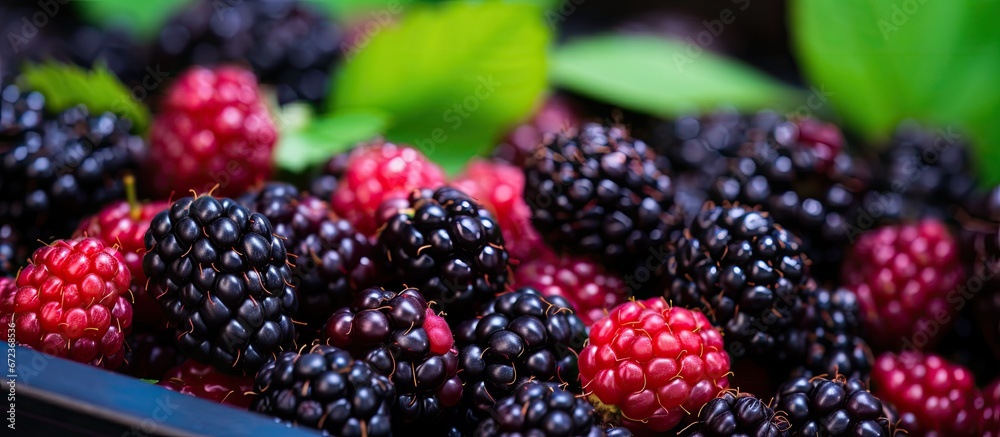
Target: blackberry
702	143
406	341
796	171
519	336
827	337
746	272
837	407
741	414
928	169
447	246
287	43
54	170
543	408
597	191
326	389
150	355
331	260
222	278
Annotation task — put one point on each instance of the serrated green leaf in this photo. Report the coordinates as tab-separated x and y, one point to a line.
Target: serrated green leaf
661	77
450	79
65	86
886	61
312	143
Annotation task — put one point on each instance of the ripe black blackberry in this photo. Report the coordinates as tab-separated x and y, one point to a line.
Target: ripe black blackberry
741	414
222	278
544	408
447	246
597	191
744	271
326	389
519	336
287	43
702	143
838	407
928	169
402	338
796	170
54	170
826	339
332	261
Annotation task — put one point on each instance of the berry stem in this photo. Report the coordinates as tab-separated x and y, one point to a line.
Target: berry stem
133	203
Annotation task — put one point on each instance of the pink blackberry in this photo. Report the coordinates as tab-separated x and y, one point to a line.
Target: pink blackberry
653	365
938	397
590	289
378	172
72	302
499	187
902	275
123	224
213	129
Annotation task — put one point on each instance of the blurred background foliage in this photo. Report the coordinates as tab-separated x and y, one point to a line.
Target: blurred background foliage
867	64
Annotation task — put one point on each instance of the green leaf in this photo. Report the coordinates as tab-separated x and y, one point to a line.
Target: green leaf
661	77
881	62
149	381
307	141
65	86
144	18
452	77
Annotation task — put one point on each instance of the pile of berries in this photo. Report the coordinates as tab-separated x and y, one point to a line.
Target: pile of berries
584	280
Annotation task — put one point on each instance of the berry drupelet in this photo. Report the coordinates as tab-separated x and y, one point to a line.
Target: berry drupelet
651	365
837	407
746	272
403	339
72	302
325	388
596	191
206	382
587	286
222	277
287	43
332	261
449	247
935	395
519	336
796	170
544	408
740	414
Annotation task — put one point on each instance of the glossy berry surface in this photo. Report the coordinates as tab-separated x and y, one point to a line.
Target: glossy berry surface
206	382
591	290
72	302
403	339
557	114
379	172
902	276
327	389
519	336
222	278
654	363
449	247
827	336
289	44
597	191
124	226
499	188
213	128
332	261
743	414
939	395
540	408
838	407
741	268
